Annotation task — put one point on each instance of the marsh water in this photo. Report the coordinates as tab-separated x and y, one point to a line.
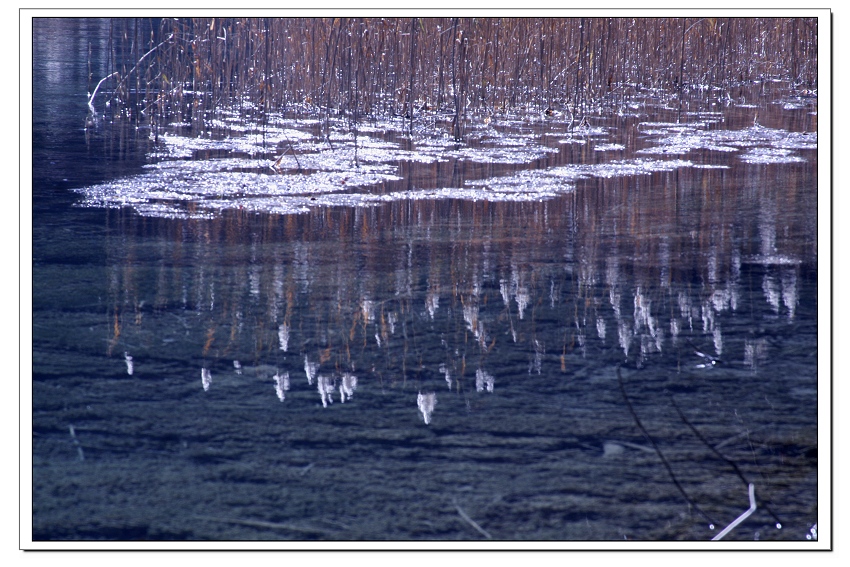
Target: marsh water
466	342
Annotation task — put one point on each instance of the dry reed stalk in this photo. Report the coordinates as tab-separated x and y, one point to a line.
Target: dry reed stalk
747	513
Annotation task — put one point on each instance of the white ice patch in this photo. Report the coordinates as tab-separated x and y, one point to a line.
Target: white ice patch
170	186
770	155
609	147
767	145
558	180
175	147
504	154
293	166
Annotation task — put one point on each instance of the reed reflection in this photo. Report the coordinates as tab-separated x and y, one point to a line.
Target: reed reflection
677	269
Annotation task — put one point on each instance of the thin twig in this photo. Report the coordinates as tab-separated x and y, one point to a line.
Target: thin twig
295	155
94	94
742	517
658	451
472	522
635	446
737	436
142	58
306	469
719	454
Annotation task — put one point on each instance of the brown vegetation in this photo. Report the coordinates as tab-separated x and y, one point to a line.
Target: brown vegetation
356	67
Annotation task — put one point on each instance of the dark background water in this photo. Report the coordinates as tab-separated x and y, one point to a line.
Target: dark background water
547	299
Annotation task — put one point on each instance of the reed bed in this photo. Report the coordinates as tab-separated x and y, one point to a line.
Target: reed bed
355	68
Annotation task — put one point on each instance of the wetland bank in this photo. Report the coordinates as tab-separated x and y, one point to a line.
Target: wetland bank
521	279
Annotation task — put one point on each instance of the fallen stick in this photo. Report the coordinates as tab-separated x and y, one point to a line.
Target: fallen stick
737	436
472	522
740	518
635	446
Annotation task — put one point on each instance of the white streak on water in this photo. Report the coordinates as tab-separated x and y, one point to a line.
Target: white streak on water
426	403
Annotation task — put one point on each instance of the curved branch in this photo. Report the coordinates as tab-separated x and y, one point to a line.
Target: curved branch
142	58
91	98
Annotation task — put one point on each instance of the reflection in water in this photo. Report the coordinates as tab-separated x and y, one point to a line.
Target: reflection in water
347	385
483	381
447	373
326	388
283	336
416	290
281	385
129	361
703	276
755	352
310	368
425	403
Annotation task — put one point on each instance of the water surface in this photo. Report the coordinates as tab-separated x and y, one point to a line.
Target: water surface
454	349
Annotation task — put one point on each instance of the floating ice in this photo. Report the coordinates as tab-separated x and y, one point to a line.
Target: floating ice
609	147
770	155
768	145
175	146
508	155
293	166
174	185
558	180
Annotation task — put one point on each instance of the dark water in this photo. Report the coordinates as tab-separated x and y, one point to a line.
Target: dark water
162	349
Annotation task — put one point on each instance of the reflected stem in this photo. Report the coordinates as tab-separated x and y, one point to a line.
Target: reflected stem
720	455
658	451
